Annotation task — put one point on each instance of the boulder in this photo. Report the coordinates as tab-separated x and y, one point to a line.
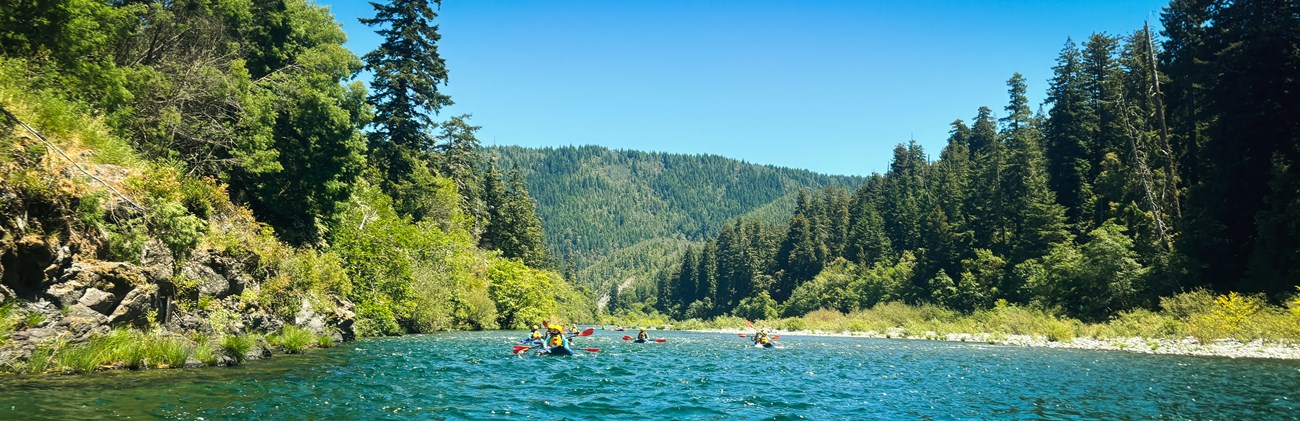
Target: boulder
6	294
81	321
66	293
117	278
342	320
100	301
210	282
134	306
25	264
308	318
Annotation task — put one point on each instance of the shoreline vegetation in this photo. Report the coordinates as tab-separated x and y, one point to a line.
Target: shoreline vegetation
1196	323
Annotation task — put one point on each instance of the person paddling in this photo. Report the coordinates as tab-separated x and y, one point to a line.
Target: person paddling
536	335
555	336
642	337
761	338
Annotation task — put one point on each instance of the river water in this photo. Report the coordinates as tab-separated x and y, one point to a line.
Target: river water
690	376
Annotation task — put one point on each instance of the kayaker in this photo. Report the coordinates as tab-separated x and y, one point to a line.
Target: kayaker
536	335
761	338
642	336
555	336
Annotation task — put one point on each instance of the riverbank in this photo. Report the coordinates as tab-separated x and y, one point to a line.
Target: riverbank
1229	348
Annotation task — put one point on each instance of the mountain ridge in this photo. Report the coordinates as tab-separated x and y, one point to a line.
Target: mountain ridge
595	201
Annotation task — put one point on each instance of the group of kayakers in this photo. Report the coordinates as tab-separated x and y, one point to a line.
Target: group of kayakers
553	337
556	341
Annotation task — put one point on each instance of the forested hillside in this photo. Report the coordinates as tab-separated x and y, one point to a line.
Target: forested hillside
1161	165
595	201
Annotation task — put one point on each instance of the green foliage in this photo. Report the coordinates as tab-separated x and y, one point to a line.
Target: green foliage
237	346
293	339
324	341
758	307
407	71
524	296
127	349
304	273
206	353
179	230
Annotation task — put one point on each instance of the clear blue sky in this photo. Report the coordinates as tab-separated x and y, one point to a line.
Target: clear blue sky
829	86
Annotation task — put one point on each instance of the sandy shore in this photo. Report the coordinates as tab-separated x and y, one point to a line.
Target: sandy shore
1187	346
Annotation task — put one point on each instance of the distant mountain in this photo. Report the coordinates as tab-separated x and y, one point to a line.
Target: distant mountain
595	201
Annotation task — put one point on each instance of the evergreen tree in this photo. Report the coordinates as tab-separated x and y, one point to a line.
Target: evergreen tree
986	205
404	91
459	158
706	277
1036	221
904	196
948	236
1069	132
797	257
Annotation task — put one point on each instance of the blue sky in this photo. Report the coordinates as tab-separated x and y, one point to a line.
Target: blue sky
829	86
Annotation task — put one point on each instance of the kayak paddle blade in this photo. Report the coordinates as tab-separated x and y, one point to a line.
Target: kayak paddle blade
591	349
587	332
661	340
519	349
627	338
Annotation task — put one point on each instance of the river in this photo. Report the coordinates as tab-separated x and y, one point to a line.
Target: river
473	375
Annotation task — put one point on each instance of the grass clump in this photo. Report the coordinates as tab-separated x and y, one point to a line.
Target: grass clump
237	346
324	341
293	339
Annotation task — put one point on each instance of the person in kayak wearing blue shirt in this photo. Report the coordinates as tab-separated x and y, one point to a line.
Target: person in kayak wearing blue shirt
641	337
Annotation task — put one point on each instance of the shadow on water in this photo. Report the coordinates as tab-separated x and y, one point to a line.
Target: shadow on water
691	376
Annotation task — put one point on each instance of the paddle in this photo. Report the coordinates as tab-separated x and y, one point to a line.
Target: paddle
519	348
742	335
590	349
627	338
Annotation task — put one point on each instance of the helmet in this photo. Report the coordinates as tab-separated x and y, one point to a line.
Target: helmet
557	327
534	327
643	329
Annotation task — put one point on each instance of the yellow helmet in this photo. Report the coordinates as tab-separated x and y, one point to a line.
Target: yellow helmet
534	327
556	327
643	329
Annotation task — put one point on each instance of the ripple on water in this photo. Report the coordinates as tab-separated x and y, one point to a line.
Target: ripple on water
692	376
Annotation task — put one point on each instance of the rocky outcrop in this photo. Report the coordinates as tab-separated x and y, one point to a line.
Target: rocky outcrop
76	298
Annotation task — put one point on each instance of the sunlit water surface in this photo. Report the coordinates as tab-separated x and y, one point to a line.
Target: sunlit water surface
691	376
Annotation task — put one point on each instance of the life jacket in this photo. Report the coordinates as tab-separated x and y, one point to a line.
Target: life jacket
536	334
557	340
762	339
642	335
